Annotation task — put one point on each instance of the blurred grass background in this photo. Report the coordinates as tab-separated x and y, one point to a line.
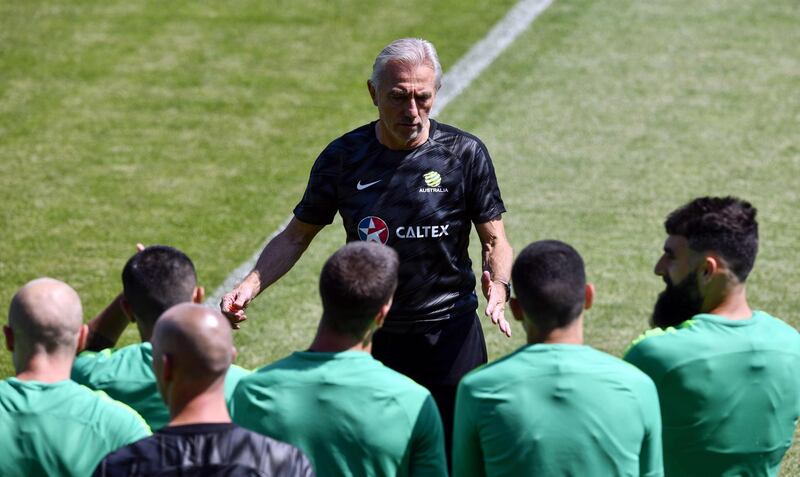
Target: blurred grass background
195	125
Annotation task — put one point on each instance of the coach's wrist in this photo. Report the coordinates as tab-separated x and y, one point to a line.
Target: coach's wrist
506	286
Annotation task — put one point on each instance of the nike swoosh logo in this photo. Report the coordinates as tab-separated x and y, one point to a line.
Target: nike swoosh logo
361	186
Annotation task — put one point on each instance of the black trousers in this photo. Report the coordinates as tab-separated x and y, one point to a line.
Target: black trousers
436	355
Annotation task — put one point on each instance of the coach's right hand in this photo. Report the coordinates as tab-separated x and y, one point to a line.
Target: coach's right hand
235	302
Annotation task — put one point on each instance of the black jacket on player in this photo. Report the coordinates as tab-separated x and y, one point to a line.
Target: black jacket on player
206	450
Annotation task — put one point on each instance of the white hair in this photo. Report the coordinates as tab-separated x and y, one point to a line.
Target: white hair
411	51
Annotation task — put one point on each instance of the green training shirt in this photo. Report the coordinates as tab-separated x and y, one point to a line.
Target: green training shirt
349	413
126	374
62	428
557	409
729	391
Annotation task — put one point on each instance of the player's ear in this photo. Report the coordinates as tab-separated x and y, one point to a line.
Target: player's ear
710	266
516	309
381	316
373	92
589	300
167	367
198	295
83	336
9	337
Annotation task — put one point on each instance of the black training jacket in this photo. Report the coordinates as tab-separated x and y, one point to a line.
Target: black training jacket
421	202
212	450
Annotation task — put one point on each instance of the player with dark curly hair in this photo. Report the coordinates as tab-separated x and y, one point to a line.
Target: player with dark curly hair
726	374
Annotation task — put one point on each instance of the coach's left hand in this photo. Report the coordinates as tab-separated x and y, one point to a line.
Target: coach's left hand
495	293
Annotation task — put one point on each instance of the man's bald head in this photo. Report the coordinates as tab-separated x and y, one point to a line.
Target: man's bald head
45	316
197	340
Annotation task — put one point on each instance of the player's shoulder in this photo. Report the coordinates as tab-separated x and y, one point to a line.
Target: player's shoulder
264	443
288	363
446	133
276	373
139	453
623	372
661	340
6	387
345	150
111	411
397	382
95	408
784	329
12	393
774	335
134	351
547	360
236	372
352	140
521	365
456	140
108	365
266	453
704	329
239	446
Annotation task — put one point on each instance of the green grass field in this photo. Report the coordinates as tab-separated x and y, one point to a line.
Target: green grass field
196	126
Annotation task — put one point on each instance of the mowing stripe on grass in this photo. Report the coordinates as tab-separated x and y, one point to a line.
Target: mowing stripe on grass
454	82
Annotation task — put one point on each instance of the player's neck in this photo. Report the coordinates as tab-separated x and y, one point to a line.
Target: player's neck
732	304
570	334
45	368
206	407
327	341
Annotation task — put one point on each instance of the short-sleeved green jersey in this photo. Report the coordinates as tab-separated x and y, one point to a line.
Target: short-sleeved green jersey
60	428
349	413
729	393
126	374
557	409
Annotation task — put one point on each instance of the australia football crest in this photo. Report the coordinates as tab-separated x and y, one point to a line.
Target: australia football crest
373	229
433	181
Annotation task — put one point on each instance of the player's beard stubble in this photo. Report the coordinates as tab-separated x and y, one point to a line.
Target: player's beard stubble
677	303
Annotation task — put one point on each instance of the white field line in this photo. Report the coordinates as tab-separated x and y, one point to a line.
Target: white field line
484	52
454	82
242	270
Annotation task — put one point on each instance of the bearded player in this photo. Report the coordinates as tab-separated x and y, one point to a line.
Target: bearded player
726	374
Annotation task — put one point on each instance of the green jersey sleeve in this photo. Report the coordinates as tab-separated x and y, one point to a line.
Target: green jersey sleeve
126	425
467	453
84	364
651	458
428	454
232	378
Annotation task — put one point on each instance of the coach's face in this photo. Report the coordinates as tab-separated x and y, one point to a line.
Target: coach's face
404	98
682	298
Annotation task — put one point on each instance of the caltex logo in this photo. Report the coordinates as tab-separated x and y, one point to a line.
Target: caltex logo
432	178
373	229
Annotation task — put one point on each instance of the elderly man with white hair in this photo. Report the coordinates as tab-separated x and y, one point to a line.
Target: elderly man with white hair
416	185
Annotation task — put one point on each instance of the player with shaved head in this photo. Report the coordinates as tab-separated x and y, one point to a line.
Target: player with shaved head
348	412
153	280
192	350
51	425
